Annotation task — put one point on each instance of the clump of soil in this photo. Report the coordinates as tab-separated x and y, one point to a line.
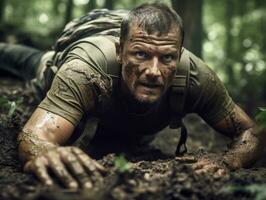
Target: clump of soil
150	178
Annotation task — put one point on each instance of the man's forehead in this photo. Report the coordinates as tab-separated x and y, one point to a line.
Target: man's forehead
137	32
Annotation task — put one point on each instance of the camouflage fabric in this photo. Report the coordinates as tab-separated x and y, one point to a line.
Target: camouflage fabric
96	22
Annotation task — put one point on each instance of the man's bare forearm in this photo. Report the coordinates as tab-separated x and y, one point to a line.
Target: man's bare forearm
40	154
246	149
30	145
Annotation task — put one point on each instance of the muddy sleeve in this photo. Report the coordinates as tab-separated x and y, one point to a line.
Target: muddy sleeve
77	85
207	96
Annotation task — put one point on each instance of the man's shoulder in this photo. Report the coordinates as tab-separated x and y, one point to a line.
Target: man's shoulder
93	58
196	66
96	51
199	72
201	80
105	43
99	41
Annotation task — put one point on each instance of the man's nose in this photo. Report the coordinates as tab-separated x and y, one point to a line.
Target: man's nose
153	68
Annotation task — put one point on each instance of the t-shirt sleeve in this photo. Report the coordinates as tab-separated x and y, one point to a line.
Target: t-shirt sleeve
78	84
207	93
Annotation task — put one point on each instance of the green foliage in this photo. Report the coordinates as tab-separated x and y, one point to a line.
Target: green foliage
42	21
121	164
235	47
261	117
257	190
9	107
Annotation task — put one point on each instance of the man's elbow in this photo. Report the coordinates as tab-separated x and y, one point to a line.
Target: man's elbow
247	149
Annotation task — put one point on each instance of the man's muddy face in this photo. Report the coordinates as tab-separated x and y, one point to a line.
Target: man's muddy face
149	62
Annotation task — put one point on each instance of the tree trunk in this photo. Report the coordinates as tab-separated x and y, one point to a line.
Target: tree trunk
90	6
69	9
109	4
2	10
228	43
56	6
191	13
134	2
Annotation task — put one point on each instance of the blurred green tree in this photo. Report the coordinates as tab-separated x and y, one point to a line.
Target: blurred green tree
235	47
92	4
191	13
69	9
2	10
109	4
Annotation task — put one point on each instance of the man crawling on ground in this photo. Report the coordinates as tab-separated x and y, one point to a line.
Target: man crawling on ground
126	85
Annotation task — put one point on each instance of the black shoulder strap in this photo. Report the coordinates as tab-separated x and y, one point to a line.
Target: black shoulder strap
179	91
177	100
89	131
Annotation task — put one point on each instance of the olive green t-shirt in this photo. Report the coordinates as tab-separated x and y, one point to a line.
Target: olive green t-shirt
82	81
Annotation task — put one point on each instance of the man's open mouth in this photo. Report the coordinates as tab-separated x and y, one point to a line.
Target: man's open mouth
150	85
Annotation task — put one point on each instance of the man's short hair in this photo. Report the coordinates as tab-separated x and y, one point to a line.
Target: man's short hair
153	18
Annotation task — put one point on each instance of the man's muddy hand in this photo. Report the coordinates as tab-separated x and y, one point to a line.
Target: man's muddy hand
70	165
210	166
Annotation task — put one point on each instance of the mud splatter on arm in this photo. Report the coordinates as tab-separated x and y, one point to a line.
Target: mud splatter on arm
32	145
247	144
43	131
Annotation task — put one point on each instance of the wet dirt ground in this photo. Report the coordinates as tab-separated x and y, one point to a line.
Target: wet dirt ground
151	176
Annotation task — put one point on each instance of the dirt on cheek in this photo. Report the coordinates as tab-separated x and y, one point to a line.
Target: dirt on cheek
128	69
168	75
131	72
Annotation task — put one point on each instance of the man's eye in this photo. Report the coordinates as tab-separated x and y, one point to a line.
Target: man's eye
168	58
140	54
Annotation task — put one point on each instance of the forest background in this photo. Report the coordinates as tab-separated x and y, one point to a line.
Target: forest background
227	34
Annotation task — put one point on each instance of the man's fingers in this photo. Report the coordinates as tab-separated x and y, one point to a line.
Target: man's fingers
211	168
222	172
88	162
42	174
207	169
74	165
70	165
200	171
186	159
198	165
39	169
61	172
91	166
205	166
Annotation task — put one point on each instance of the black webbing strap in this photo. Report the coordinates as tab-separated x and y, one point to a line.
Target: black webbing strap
177	101
88	133
181	148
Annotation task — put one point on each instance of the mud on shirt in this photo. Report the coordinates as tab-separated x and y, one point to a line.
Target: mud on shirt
83	81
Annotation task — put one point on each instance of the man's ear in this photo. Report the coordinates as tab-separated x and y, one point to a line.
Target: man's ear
118	47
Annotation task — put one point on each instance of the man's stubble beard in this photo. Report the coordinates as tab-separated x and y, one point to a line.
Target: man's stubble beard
136	103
